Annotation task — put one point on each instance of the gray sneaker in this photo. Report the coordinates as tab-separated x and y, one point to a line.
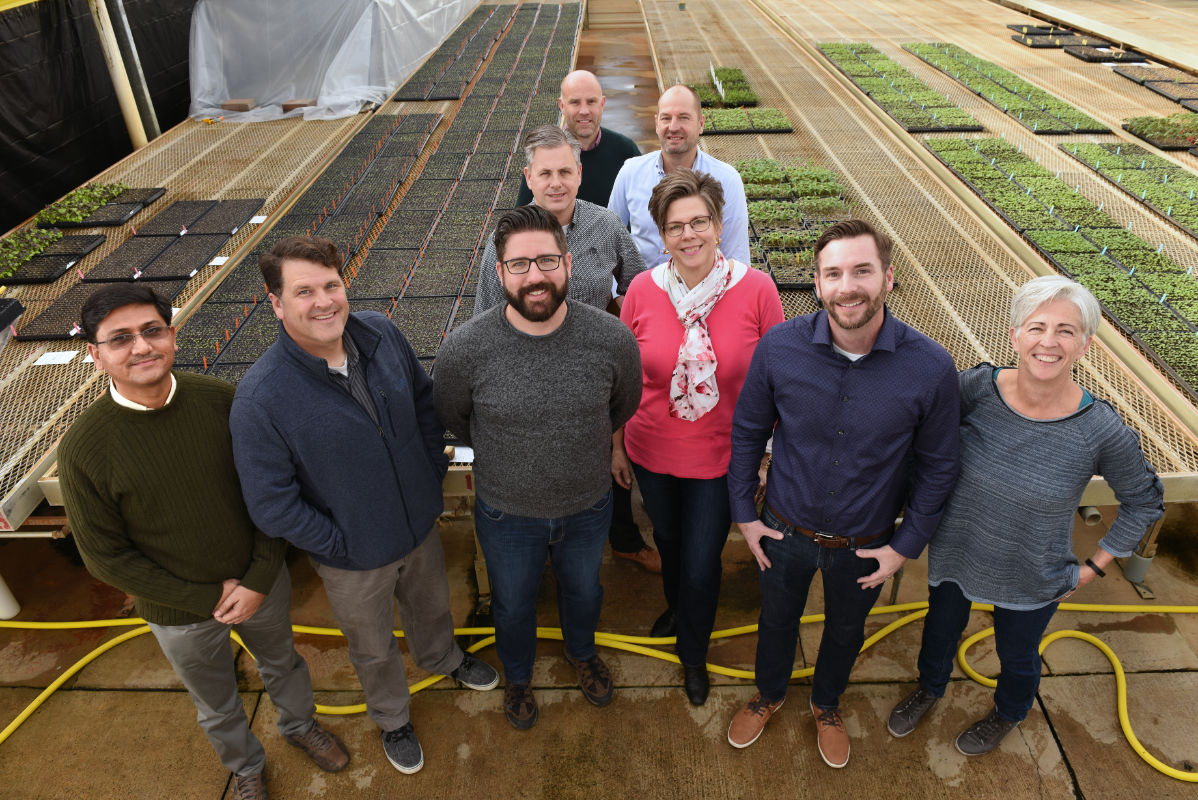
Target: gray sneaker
984	735
475	674
910	711
403	749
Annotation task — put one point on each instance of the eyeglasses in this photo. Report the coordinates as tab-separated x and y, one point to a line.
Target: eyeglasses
698	225
153	334
545	263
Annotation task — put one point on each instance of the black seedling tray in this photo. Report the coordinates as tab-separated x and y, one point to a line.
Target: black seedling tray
1157	143
177	216
226	217
58	321
74	245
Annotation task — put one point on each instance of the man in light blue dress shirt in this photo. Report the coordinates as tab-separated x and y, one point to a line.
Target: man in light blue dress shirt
679	123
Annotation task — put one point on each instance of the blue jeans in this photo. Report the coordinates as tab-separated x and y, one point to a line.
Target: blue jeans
691	519
515	548
1017	637
795	560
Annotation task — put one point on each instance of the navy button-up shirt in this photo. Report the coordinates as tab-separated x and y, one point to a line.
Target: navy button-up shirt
853	440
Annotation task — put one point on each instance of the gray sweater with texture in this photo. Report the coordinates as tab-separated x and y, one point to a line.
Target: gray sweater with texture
1007	534
539	411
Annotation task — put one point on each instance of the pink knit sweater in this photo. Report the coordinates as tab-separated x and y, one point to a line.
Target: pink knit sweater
668	445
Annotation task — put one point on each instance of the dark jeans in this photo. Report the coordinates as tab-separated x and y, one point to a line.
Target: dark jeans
690	519
1017	637
795	559
515	548
624	535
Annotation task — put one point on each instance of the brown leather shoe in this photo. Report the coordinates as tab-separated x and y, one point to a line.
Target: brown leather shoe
249	787
748	723
833	739
325	749
647	557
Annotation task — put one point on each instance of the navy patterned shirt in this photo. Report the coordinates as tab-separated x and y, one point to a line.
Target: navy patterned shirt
854	441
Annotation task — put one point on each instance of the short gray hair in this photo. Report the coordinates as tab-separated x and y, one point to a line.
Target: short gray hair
1047	288
550	136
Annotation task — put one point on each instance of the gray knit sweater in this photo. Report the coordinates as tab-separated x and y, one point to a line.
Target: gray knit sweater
1007	534
539	411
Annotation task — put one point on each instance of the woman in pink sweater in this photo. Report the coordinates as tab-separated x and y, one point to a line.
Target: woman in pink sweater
697	318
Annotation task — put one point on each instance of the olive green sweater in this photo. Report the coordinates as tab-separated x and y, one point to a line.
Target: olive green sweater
155	505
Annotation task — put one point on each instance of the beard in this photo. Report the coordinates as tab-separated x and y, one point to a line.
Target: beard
872	306
543	309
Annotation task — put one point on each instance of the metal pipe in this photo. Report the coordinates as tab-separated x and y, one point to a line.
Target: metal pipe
145	103
116	69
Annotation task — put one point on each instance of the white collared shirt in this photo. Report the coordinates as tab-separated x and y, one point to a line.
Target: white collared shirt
121	400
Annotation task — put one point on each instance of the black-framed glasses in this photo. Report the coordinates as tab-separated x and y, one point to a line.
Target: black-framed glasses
698	225
152	334
545	263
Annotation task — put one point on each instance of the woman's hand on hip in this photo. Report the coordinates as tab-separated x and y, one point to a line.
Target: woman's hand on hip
889	561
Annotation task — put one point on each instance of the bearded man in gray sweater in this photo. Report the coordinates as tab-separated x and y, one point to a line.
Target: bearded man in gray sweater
537	386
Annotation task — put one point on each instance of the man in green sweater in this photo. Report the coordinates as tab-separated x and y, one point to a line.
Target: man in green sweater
155	505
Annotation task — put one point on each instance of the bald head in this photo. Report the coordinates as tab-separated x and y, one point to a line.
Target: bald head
581	105
680	93
581	81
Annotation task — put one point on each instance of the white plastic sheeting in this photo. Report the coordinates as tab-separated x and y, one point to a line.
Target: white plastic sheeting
343	53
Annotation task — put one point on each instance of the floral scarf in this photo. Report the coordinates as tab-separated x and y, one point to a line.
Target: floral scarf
693	389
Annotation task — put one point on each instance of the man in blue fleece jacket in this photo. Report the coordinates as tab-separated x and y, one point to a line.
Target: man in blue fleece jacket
340	452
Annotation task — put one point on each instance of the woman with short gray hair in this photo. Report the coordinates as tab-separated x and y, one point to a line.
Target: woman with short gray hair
1031	439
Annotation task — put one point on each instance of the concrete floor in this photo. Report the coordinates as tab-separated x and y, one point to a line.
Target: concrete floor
124	727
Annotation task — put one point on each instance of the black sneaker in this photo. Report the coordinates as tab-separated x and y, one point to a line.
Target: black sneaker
594	679
475	674
403	749
910	711
984	735
520	706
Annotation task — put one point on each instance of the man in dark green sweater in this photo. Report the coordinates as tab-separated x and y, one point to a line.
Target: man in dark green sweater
155	505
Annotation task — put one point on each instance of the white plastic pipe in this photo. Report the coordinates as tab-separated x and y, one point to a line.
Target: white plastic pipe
9	607
116	69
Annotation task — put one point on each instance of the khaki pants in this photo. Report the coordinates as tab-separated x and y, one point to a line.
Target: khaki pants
363	602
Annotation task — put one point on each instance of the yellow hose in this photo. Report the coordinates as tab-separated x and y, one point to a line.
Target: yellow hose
641	645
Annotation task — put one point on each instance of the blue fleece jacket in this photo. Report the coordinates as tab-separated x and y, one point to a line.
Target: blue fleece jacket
315	469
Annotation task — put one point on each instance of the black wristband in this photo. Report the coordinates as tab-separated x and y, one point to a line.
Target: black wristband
1097	570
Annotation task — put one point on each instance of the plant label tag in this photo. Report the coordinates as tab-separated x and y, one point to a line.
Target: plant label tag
72	263
235	229
216	262
75	329
257	220
193	273
64	357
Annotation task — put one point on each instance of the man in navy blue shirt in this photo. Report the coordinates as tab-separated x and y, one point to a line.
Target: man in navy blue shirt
864	413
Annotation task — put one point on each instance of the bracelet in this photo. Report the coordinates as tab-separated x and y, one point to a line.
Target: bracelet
1097	570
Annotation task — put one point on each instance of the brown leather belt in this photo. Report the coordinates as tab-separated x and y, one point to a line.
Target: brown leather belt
830	540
